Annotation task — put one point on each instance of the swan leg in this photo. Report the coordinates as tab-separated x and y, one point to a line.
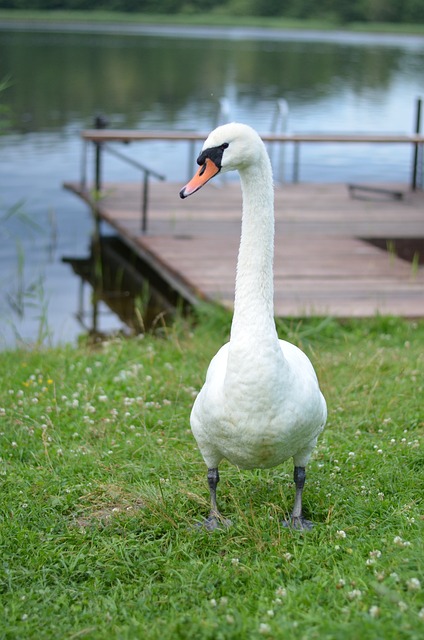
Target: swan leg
297	521
215	519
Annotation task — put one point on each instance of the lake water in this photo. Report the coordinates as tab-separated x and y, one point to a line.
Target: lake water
163	78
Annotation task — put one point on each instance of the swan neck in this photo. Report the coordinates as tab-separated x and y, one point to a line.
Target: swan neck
253	304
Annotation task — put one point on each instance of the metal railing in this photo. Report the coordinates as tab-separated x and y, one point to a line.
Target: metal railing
297	139
100	146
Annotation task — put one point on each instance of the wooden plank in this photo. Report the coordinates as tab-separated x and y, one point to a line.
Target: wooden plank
130	135
322	264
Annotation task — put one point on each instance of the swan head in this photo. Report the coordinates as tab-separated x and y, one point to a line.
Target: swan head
230	147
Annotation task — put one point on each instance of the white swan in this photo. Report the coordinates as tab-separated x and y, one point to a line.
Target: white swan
261	403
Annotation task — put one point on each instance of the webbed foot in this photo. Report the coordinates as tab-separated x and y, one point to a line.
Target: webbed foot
214	522
299	523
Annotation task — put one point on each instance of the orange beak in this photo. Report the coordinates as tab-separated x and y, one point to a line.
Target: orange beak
207	171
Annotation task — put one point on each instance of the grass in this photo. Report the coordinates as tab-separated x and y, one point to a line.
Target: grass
102	483
212	18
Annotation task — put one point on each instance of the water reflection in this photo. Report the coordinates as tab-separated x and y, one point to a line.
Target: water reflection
58	78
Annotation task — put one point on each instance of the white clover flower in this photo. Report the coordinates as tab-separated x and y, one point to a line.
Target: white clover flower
341	533
356	593
340	583
421	614
281	592
212	602
264	628
375	554
413	584
402	605
374	611
235	561
400	542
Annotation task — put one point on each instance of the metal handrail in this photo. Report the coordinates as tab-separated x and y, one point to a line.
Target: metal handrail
147	172
101	146
134	163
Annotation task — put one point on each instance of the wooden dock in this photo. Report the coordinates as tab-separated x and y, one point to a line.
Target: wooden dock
326	258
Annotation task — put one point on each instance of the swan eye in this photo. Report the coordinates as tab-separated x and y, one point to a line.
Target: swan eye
225	145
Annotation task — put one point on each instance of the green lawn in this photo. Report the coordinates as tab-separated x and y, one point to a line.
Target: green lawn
102	484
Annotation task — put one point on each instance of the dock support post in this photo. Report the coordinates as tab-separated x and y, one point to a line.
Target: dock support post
191	158
99	123
145	202
416	145
296	158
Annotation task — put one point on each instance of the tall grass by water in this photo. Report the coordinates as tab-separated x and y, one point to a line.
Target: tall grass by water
102	484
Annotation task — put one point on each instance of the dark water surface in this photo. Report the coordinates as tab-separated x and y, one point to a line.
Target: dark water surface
167	78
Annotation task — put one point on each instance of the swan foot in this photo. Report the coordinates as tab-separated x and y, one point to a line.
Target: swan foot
299	523
214	522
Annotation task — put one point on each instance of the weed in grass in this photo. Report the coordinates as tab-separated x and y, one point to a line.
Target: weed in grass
102	484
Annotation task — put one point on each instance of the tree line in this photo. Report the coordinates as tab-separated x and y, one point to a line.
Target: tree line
341	11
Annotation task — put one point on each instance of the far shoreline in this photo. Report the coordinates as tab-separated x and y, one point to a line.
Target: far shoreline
209	25
137	27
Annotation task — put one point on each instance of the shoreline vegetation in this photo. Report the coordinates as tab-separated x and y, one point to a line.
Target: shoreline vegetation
209	19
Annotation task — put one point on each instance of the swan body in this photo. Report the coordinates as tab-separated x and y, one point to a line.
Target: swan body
261	402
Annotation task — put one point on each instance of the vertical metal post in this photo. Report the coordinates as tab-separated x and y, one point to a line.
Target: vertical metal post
84	165
99	123
416	145
145	202
97	167
191	161
296	159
